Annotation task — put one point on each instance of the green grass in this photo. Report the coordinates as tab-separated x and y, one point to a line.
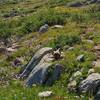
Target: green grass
31	15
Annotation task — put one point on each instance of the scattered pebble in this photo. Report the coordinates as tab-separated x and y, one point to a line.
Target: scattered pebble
45	94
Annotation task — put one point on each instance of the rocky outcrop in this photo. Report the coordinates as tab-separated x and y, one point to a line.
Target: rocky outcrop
57	26
35	60
55	74
45	94
40	72
72	85
90	84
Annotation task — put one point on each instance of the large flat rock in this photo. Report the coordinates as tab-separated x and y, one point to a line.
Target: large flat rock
90	84
35	60
39	73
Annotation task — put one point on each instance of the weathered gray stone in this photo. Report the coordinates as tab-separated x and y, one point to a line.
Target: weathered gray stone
39	74
73	81
90	84
15	46
55	74
72	85
35	60
70	48
89	41
43	28
97	95
57	26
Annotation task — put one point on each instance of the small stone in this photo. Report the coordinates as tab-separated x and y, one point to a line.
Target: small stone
35	60
77	97
10	49
72	85
57	26
80	58
45	94
71	48
78	73
43	28
91	71
90	84
97	96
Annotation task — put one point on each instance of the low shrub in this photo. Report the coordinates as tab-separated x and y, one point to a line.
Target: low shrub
63	40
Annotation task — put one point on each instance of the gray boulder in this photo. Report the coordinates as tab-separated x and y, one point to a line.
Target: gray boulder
73	81
35	60
90	84
39	74
55	74
70	48
77	74
45	94
43	28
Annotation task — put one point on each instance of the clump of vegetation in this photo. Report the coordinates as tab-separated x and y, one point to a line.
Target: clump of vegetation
67	39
